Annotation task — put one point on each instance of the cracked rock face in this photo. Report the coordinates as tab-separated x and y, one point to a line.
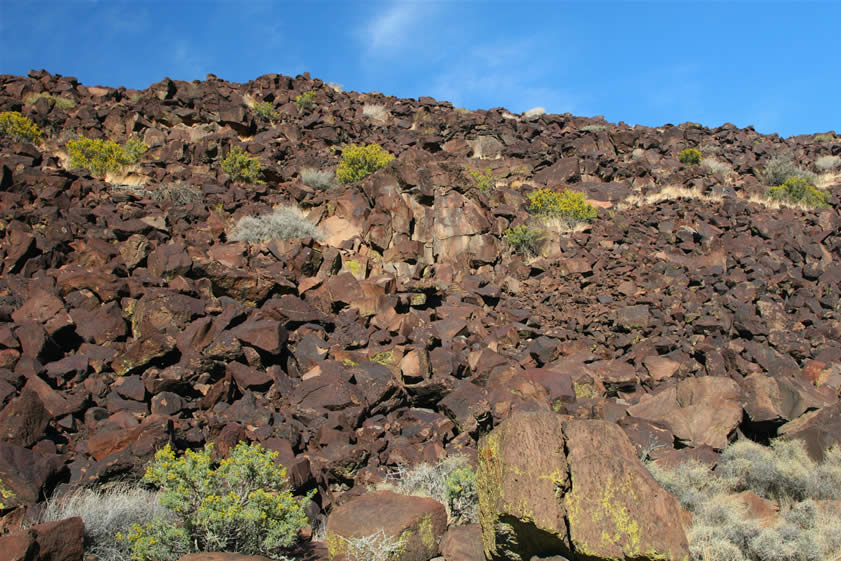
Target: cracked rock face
549	484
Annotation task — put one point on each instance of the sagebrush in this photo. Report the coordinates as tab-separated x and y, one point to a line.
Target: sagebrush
783	473
265	111
284	223
779	168
321	180
106	512
523	240
240	504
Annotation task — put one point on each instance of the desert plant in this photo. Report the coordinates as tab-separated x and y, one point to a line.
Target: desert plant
375	111
107	511
782	472
5	494
826	163
533	113
798	190
484	180
178	193
373	547
780	168
593	128
19	128
265	111
690	156
523	240
284	223
358	162
241	167
305	101
460	494
451	481
572	206
721	169
240	504
824	137
101	156
318	179
63	103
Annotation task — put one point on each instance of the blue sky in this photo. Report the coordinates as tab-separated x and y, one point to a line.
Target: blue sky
773	65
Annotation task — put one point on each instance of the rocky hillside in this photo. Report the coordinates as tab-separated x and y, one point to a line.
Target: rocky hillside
691	310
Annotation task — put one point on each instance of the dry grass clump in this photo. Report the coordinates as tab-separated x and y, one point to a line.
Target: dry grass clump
450	482
105	512
668	193
321	180
376	112
285	223
374	547
783	473
721	169
178	193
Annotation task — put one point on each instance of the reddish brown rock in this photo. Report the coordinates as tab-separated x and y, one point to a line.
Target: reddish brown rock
418	521
550	484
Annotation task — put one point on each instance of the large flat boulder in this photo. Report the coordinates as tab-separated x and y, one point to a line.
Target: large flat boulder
554	485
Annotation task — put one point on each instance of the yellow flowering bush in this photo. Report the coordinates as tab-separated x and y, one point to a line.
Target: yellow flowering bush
19	128
798	190
358	162
265	110
241	167
101	156
484	180
690	156
4	495
241	504
305	101
571	206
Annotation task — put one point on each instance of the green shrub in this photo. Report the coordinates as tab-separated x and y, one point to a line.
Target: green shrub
19	128
106	512
484	180
461	494
690	157
305	101
63	103
358	162
798	190
241	167
523	240
569	205
265	110
242	504
285	223
825	137
780	168
318	179
101	156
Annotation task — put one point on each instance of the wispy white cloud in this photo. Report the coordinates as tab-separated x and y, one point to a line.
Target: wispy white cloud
391	28
505	74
